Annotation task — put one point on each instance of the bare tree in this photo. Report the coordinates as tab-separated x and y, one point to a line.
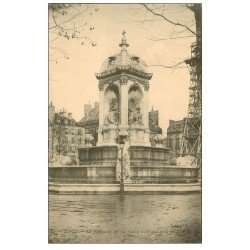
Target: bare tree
69	21
181	30
58	141
160	12
191	143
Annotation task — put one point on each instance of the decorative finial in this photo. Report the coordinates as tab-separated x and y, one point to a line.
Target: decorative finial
124	43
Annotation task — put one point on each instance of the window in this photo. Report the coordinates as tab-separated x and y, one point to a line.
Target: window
135	59
112	59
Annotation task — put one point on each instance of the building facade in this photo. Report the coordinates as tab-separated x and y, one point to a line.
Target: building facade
65	134
154	127
90	121
175	135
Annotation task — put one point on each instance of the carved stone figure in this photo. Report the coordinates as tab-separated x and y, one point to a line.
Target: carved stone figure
135	115
113	114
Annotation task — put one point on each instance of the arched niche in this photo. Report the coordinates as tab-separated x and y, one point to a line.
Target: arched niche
111	105
135	105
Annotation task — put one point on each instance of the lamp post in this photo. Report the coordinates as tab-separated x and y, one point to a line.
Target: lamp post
122	183
120	140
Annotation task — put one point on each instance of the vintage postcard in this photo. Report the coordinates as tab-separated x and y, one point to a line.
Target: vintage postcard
125	123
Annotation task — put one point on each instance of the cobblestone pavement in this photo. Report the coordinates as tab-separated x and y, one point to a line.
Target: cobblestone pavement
125	219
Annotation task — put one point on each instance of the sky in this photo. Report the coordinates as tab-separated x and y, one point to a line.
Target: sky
72	81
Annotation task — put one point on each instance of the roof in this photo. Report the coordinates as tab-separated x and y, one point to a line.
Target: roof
154	128
91	118
153	122
93	122
124	61
61	119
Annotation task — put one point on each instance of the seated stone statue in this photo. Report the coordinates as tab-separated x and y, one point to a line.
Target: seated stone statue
113	114
135	116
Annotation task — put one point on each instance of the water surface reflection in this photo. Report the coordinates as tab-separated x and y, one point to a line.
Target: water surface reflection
125	219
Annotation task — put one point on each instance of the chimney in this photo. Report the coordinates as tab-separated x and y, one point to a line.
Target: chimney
64	113
51	112
70	116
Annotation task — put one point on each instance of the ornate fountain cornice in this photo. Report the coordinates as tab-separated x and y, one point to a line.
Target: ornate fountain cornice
123	80
124	69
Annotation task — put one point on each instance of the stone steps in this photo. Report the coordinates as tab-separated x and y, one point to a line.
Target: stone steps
80	188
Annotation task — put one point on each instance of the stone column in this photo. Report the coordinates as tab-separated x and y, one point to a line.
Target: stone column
124	102
145	116
145	107
101	113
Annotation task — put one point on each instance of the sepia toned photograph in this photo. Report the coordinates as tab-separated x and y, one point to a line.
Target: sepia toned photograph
125	123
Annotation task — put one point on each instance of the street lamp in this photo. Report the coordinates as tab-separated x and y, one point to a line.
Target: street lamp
120	140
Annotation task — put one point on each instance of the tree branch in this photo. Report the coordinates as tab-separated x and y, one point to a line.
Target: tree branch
68	20
59	50
140	21
168	20
168	38
166	66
